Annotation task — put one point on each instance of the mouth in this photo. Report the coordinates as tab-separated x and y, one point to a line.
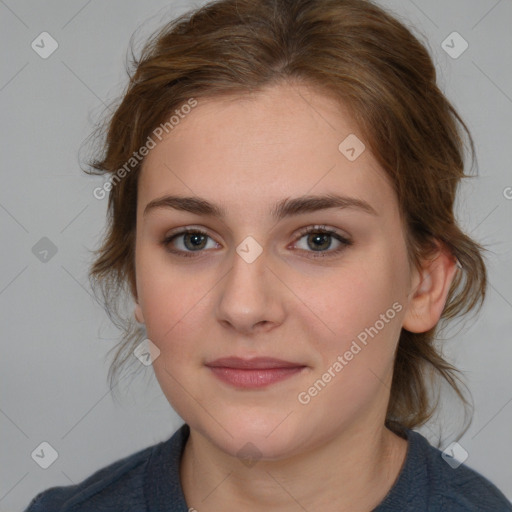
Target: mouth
253	373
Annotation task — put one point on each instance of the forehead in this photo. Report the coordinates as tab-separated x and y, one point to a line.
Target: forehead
254	149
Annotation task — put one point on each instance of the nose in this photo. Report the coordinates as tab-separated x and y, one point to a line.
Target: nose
250	296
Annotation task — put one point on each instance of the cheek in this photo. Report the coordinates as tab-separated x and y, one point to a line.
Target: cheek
168	299
363	302
363	310
172	318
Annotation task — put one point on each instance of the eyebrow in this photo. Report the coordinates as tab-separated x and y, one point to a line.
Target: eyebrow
283	208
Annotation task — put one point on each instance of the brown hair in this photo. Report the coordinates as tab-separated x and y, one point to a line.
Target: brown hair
359	54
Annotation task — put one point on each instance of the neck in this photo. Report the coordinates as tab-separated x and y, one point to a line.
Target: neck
353	471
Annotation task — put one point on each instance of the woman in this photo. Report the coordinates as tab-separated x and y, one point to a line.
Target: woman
282	183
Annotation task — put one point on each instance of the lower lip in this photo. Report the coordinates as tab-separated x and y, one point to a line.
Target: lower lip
255	378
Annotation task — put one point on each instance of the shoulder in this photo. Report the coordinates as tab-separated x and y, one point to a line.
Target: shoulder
110	488
428	482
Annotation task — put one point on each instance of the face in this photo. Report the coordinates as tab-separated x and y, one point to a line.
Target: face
252	284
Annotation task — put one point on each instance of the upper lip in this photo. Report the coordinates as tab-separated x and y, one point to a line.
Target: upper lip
253	363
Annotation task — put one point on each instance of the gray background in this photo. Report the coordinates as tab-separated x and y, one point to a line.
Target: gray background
55	337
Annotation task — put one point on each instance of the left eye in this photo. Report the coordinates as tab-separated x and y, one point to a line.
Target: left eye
320	239
317	237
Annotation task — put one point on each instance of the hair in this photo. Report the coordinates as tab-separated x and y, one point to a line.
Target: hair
359	54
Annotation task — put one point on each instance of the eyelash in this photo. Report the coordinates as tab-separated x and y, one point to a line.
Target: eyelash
345	242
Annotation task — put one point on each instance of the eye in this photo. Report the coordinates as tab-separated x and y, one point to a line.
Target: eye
320	239
192	240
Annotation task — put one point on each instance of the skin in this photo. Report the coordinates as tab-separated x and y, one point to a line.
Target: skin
245	153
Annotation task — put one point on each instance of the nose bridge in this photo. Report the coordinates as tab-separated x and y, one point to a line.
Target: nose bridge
248	296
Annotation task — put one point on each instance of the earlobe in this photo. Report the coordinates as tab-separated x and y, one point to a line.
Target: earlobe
138	313
428	298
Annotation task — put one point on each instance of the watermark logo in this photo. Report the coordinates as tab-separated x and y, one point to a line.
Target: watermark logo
44	455
454	454
351	147
454	45
249	249
44	250
44	45
249	454
146	352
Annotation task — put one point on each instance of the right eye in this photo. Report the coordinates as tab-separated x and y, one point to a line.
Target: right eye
192	240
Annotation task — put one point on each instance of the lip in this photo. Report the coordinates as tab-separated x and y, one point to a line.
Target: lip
253	373
253	363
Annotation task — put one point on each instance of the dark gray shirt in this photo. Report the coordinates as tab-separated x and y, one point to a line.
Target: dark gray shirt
149	481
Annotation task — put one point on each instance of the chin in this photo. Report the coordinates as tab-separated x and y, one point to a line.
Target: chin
256	437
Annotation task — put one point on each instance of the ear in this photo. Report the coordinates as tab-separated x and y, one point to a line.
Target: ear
429	291
138	313
137	310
